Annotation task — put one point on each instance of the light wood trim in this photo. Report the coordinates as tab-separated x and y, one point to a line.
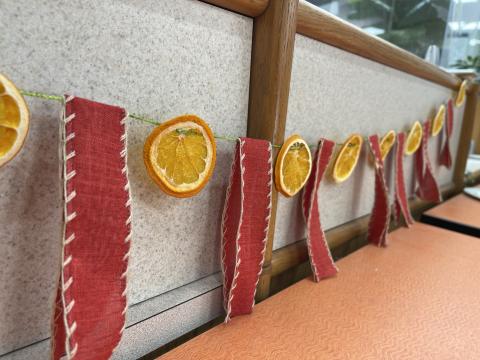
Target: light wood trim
322	26
272	55
465	136
295	254
252	8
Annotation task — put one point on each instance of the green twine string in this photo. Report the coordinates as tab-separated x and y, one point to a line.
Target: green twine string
137	117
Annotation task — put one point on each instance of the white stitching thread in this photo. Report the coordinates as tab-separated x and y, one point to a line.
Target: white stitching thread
398	159
379	166
71	196
69	239
128	237
314	192
69	329
224	230
267	221
308	220
70	306
237	238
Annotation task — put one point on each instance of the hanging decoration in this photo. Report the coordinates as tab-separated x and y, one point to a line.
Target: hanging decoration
14	120
400	205
387	143
245	224
414	139
293	166
347	158
91	298
427	185
438	121
462	94
380	218
180	155
321	260
445	155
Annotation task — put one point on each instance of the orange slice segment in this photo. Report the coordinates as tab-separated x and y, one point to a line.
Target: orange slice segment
14	120
180	155
387	143
462	94
414	138
438	120
347	158
293	166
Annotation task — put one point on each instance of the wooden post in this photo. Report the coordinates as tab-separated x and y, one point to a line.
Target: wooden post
465	137
272	53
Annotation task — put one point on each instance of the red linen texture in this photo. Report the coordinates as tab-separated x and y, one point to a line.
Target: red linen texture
321	259
91	300
427	185
246	218
401	200
445	154
380	218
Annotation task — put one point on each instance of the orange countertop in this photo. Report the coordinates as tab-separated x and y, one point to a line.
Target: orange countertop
460	213
419	298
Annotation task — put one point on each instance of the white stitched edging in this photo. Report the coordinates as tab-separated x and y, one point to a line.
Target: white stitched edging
236	272
267	220
380	173
224	229
399	159
314	193
65	285
128	237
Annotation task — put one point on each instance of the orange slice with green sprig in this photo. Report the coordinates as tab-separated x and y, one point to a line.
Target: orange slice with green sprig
347	158
387	143
293	166
14	120
462	94
438	120
180	155
414	138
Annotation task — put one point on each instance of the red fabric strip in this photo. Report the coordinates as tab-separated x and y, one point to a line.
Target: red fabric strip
427	185
445	154
91	298
380	218
320	258
246	217
401	201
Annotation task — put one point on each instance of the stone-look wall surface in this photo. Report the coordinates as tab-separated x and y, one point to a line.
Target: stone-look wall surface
334	94
156	58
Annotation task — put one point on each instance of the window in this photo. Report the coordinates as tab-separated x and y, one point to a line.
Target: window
414	25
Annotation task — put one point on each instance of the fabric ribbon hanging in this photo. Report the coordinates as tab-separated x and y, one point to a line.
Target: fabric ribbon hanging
321	260
427	185
245	223
445	155
380	218
400	204
91	298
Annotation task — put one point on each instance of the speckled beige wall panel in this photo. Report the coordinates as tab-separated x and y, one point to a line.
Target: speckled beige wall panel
157	58
334	94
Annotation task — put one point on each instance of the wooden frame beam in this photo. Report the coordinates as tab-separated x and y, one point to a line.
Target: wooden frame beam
465	136
327	28
272	55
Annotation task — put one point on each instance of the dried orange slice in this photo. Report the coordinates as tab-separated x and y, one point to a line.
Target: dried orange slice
414	138
180	155
387	143
347	158
462	94
14	120
438	120
293	166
